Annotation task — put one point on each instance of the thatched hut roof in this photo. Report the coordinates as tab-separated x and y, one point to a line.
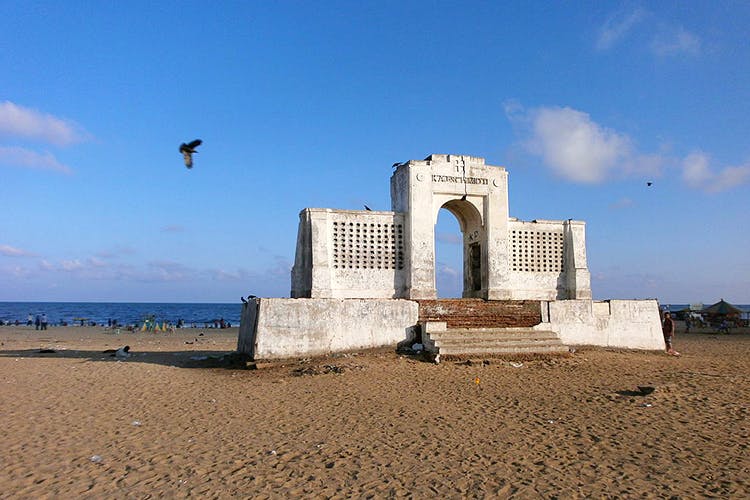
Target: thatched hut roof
722	308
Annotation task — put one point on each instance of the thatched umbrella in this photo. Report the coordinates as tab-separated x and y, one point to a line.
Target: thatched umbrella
722	308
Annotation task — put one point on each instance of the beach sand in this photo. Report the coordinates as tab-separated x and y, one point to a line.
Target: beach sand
79	423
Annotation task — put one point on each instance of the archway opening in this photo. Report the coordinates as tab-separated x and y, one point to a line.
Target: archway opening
449	256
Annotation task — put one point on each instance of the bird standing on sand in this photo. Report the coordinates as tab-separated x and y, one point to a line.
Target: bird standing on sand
187	151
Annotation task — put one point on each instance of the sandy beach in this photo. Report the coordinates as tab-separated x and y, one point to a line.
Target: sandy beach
78	422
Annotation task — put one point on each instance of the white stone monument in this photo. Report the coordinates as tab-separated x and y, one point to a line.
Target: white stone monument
357	274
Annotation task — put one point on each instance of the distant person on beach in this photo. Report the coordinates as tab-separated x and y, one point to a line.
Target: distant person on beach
30	320
687	324
667	329
37	322
44	321
724	326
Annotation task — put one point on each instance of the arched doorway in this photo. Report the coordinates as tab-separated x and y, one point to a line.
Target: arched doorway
449	249
460	267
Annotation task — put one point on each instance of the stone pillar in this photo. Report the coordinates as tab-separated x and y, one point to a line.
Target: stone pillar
578	278
497	285
411	193
311	274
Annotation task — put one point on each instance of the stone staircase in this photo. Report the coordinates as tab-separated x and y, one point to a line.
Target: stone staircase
480	328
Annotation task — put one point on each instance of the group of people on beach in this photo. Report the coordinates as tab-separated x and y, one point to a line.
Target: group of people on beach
40	322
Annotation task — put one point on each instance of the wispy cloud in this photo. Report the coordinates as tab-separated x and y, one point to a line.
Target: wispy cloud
116	252
168	271
666	39
698	174
27	123
71	265
621	204
21	157
10	251
449	238
617	27
673	41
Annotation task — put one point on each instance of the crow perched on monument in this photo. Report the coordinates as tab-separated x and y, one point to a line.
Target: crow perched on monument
187	151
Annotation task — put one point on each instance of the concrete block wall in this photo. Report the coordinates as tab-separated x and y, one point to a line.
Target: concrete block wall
631	324
288	328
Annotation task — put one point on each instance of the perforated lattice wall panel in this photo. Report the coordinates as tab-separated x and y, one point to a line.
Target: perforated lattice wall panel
536	251
368	245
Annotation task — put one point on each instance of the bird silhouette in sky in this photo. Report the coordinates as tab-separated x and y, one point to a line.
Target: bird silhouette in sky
187	151
649	183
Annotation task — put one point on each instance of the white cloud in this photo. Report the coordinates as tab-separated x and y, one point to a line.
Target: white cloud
28	123
697	173
21	157
674	41
576	147
617	27
10	251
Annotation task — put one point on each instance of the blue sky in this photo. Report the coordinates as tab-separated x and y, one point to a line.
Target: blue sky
307	104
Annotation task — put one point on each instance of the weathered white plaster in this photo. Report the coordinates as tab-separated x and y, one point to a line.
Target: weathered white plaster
287	328
352	267
349	254
477	195
632	324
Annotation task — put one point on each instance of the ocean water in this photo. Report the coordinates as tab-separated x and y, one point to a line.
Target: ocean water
680	307
133	313
126	313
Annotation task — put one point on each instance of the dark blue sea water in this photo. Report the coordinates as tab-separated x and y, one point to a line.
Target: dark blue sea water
125	313
133	313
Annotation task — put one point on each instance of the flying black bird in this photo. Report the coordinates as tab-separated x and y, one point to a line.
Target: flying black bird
368	208
649	183
187	151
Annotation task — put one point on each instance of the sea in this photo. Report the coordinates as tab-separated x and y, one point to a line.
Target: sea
135	313
198	315
681	307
